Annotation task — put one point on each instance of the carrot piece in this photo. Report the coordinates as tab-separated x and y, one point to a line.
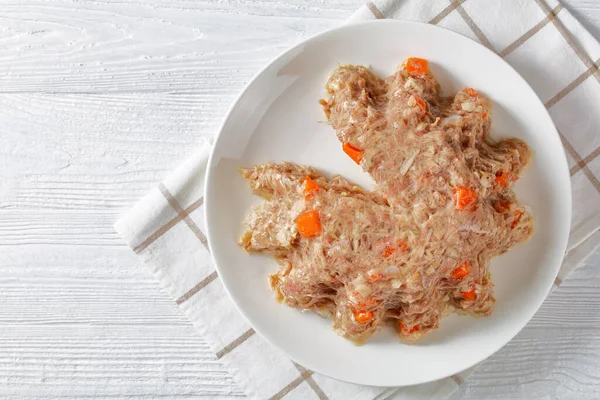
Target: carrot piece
518	215
421	104
309	224
363	316
406	330
501	178
462	270
310	187
471	92
376	276
388	251
470	295
402	246
353	152
464	197
416	66
484	115
501	205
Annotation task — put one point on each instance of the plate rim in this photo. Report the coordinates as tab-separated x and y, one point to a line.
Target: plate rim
209	177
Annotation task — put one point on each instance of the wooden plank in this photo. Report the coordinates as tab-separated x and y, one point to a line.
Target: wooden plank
85	361
55	227
211	47
89	320
96	152
61	285
540	364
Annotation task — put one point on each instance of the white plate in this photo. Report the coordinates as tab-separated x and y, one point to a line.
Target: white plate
278	117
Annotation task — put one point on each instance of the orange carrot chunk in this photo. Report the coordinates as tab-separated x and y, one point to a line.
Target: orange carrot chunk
518	215
376	276
501	178
421	104
406	330
416	66
464	197
470	295
471	92
462	270
388	251
363	316
310	187
353	152
309	224
402	246
484	115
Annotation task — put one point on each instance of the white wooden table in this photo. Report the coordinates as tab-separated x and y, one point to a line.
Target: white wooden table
98	101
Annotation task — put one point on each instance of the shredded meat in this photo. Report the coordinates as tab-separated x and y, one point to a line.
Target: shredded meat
420	245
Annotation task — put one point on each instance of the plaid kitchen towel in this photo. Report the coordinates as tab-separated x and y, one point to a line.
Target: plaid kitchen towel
539	38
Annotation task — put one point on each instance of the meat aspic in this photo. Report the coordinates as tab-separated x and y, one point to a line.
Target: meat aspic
419	246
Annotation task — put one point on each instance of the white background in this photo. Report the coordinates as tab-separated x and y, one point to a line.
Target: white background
99	100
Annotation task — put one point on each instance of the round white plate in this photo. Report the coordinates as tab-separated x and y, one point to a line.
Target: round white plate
278	117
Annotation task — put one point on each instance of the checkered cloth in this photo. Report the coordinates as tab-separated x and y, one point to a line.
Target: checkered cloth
559	59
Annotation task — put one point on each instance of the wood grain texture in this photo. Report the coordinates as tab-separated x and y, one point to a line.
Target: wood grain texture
203	47
113	361
98	101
